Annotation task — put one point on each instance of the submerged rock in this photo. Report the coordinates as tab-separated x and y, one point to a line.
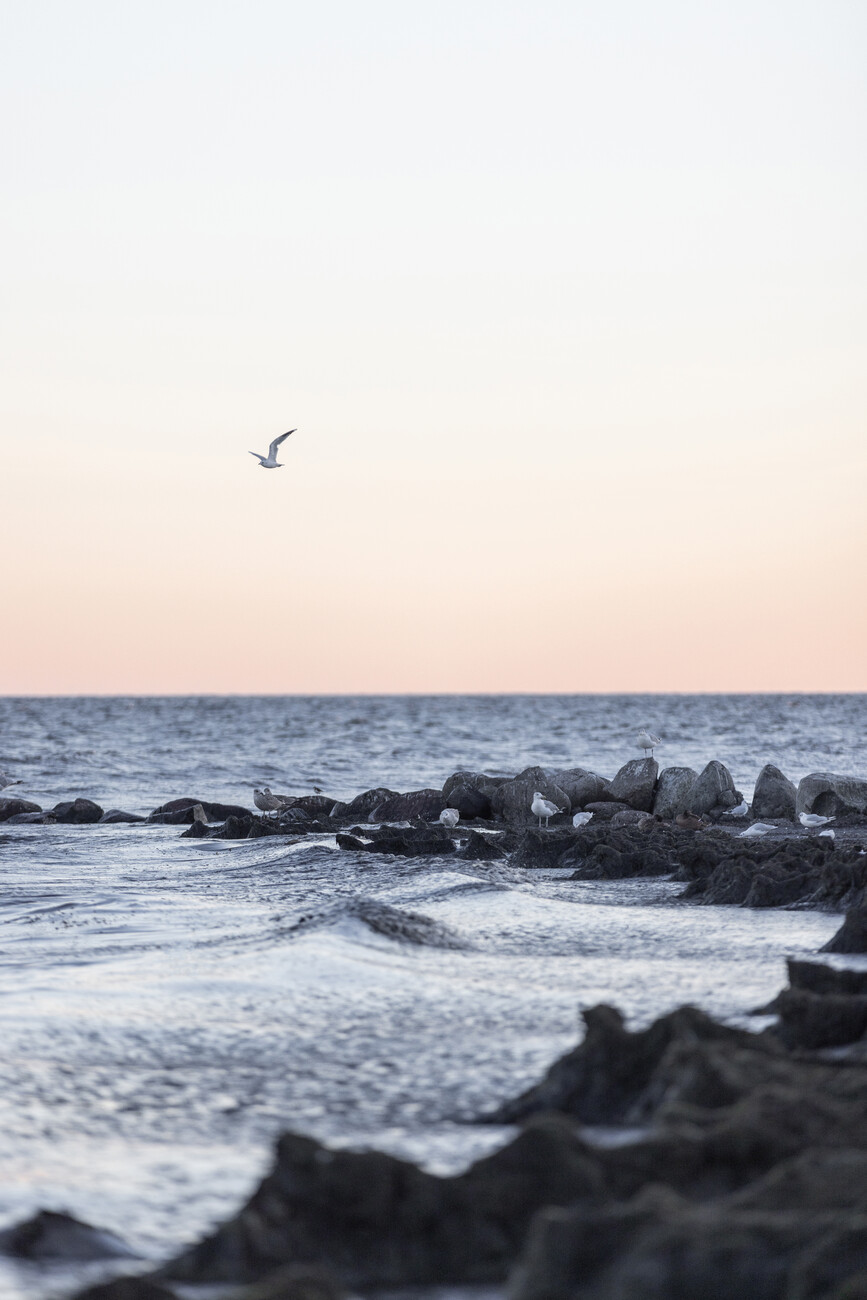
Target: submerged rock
13	807
634	784
673	790
115	816
775	795
50	1235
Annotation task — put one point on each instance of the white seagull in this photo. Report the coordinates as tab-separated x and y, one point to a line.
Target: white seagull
450	818
741	811
542	807
757	828
812	820
265	801
647	741
581	819
270	461
827	835
6	779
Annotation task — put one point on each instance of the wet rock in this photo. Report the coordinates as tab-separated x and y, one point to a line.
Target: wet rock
198	831
815	1020
16	807
360	808
831	795
482	782
427	804
673	791
482	848
775	795
852	935
235	828
469	802
313	805
77	812
512	799
616	852
634	784
179	812
127	1288
628	817
374	1220
54	1236
116	816
404	841
293	1283
713	791
605	811
773	873
581	786
818	978
535	848
31	819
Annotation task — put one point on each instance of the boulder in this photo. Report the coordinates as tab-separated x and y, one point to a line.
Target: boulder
57	1236
818	978
512	799
816	1020
126	1288
10	807
469	802
831	795
481	848
634	784
852	935
775	795
714	790
115	817
360	808
404	841
427	804
481	781
179	812
605	811
673	791
314	805
581	786
627	817
77	812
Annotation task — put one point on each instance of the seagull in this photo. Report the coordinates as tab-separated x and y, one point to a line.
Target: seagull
826	835
265	801
741	811
647	741
6	779
581	819
757	828
270	461
542	807
812	820
450	818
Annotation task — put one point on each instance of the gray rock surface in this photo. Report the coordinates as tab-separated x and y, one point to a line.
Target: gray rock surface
10	807
714	790
581	786
402	807
831	795
673	790
775	794
114	816
634	784
481	781
512	799
77	812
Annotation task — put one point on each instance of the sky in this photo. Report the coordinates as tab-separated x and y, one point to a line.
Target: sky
566	301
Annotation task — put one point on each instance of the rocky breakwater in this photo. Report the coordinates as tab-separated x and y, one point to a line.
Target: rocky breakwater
739	1169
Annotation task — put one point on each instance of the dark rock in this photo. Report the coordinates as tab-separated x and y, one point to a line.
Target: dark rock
52	1235
482	848
179	812
540	848
673	790
16	807
604	811
236	828
293	1283
405	841
313	805
482	782
628	817
198	831
816	1020
469	802
31	819
115	816
852	935
581	786
374	1220
512	799
427	804
77	812
634	784
406	927
831	795
126	1288
775	795
713	791
818	978
360	808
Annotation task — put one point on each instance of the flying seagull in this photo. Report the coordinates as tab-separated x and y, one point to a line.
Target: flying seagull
270	461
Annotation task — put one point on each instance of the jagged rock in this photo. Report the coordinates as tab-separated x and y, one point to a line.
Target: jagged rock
481	848
775	795
179	812
127	1288
374	1220
116	816
713	791
815	1020
12	807
198	831
581	786
673	790
77	812
360	808
534	848
512	799
427	804
313	805
469	802
634	784
52	1235
831	795
852	935
818	978
235	828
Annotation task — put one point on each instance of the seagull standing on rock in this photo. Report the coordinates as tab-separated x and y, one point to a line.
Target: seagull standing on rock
450	818
270	461
542	807
647	741
581	819
265	801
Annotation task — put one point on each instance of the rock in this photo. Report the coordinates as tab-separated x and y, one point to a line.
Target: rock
406	927
713	791
469	802
179	812
818	978
55	1236
293	1283
77	812
127	1288
31	819
673	790
604	811
16	807
427	804
775	795
404	841
512	799
235	828
581	786
534	848
360	808
814	1020
627	817
634	784
832	796
116	816
376	1221
482	782
852	935
481	848
198	831
313	805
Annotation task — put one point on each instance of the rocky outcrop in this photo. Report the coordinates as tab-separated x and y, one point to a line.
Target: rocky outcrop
852	935
775	795
130	1288
427	804
604	811
469	802
482	848
50	1235
816	1020
10	807
179	812
831	795
116	817
672	791
815	977
360	808
714	790
634	784
512	799
77	812
581	786
404	841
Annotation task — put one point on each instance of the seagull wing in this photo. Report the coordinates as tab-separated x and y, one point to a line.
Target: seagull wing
272	450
